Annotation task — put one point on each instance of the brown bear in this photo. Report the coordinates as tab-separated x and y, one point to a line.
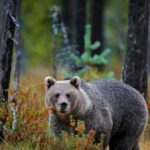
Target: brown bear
111	108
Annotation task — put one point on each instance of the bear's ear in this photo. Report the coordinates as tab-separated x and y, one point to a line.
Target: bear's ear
49	81
76	81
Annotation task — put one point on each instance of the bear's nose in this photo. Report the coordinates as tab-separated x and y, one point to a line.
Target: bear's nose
63	105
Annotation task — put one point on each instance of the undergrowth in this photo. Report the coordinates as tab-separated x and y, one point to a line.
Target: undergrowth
32	123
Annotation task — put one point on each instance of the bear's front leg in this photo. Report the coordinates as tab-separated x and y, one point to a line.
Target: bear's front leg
56	125
102	138
53	125
102	124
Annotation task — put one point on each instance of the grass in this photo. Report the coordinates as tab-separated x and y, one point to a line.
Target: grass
32	117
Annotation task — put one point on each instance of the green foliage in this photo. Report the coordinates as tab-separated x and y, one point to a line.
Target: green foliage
86	57
115	25
109	75
87	39
36	33
87	61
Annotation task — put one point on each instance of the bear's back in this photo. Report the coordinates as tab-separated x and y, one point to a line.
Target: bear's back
122	101
115	93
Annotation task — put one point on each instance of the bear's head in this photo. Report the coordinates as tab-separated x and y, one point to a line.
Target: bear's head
65	97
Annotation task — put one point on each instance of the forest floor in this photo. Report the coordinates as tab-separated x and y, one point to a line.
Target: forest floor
32	119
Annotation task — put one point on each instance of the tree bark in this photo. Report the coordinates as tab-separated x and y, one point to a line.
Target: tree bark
135	66
75	22
69	18
80	25
17	49
149	36
97	24
7	29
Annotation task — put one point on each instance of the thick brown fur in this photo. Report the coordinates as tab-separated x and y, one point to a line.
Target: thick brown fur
111	108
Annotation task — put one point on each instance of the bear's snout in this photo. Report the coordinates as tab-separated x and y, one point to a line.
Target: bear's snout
63	106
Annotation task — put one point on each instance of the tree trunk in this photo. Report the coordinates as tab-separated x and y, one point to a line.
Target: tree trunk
135	67
17	49
75	22
80	25
69	18
149	36
8	22
97	24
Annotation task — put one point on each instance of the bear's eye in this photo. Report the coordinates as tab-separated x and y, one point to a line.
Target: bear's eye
57	95
68	95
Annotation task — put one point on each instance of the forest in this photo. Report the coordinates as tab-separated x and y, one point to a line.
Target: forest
92	39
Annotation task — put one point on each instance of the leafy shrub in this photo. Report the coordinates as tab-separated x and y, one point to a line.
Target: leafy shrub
32	119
